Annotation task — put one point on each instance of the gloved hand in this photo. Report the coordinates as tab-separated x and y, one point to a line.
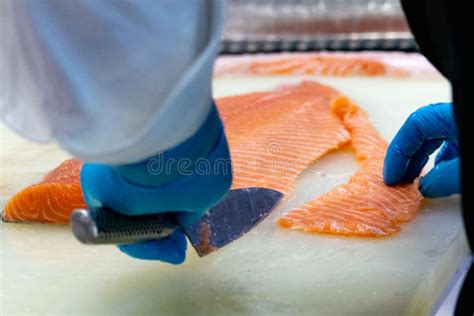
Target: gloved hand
186	180
423	132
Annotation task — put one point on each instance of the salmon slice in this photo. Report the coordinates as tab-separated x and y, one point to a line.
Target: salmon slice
312	64
50	201
275	136
322	65
364	206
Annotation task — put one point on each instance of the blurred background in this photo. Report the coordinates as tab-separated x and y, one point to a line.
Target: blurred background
308	25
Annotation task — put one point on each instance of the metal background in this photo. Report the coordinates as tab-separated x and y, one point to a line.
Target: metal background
308	25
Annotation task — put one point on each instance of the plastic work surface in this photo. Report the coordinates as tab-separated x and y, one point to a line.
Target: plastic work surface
268	271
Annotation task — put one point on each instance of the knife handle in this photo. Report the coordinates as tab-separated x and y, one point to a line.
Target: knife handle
103	226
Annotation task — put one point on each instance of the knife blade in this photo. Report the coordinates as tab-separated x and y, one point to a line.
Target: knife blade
235	215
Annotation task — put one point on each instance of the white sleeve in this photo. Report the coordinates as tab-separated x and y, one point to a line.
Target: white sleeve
111	81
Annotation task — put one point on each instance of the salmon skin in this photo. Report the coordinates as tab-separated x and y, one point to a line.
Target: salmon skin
51	200
365	206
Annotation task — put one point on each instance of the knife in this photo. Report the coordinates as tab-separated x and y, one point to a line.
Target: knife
235	215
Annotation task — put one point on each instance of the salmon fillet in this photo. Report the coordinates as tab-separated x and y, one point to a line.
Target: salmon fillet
322	65
312	64
364	206
274	136
50	201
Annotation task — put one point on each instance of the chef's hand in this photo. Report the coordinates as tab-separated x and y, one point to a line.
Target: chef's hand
175	180
423	132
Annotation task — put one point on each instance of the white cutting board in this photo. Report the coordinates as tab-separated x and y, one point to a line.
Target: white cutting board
270	270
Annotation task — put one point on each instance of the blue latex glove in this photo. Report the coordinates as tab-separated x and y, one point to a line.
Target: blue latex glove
423	132
186	180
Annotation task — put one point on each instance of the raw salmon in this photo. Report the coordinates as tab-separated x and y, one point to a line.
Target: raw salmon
312	64
364	206
274	136
50	201
323	65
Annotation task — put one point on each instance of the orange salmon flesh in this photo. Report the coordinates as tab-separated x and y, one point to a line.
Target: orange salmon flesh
273	137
